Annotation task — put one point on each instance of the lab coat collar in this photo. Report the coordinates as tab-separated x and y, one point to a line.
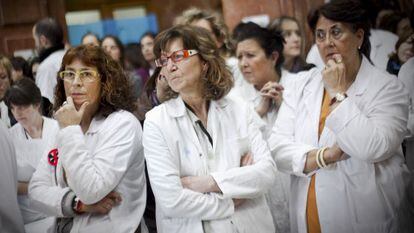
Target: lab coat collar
361	81
176	107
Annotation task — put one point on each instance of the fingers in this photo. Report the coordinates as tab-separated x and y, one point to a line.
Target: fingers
115	196
246	159
69	100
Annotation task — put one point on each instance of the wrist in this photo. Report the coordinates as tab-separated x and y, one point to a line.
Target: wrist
77	205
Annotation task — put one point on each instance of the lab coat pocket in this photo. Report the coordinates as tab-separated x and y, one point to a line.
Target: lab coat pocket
366	205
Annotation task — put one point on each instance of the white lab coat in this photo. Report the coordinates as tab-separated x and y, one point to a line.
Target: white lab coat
107	157
11	220
364	192
406	75
4	113
28	154
382	45
46	76
172	151
279	192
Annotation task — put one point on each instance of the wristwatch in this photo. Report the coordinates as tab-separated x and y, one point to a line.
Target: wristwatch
339	97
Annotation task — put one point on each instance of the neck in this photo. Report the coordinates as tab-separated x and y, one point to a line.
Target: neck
152	65
35	128
288	63
273	76
198	104
87	117
352	71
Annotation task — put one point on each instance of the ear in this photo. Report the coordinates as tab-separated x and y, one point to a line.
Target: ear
205	66
274	57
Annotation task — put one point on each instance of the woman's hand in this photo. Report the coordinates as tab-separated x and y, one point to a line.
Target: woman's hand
104	206
67	114
334	76
271	92
201	184
246	160
334	154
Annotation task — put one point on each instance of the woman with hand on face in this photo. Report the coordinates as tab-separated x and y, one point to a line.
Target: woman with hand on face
292	47
339	134
208	164
94	175
32	136
260	54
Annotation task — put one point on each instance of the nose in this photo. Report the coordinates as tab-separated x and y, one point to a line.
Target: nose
77	81
171	66
243	62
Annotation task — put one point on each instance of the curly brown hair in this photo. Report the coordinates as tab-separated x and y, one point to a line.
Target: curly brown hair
116	91
217	80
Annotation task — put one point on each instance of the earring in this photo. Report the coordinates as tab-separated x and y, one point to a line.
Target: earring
359	47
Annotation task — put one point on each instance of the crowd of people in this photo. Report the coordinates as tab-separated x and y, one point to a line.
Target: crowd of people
203	130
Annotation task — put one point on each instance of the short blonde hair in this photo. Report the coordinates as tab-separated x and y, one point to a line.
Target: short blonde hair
217	80
217	24
6	64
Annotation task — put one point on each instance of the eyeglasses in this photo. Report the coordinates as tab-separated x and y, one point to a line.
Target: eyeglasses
335	32
84	75
175	57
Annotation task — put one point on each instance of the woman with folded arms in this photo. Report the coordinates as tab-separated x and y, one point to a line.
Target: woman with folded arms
208	164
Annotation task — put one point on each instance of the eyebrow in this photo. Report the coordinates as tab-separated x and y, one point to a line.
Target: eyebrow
84	68
332	26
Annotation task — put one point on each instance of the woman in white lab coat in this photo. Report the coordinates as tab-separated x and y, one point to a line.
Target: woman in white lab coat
93	178
31	136
208	164
260	54
348	170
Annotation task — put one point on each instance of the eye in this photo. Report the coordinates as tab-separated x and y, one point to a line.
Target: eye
336	32
320	35
87	74
178	55
68	74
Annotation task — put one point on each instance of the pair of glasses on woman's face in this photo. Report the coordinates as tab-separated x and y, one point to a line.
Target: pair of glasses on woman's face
84	75
175	57
335	33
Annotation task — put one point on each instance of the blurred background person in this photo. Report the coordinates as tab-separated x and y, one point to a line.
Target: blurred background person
90	39
48	36
21	69
34	65
99	170
147	45
114	47
291	31
260	54
403	52
214	23
135	65
10	217
6	81
32	136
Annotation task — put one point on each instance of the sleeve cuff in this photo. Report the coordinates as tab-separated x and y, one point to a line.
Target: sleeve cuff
342	115
67	200
298	164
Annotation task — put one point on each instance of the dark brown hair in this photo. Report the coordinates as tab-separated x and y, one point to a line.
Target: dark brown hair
217	79
22	93
116	91
350	12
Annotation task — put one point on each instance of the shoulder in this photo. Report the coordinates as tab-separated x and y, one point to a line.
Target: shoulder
121	117
53	60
